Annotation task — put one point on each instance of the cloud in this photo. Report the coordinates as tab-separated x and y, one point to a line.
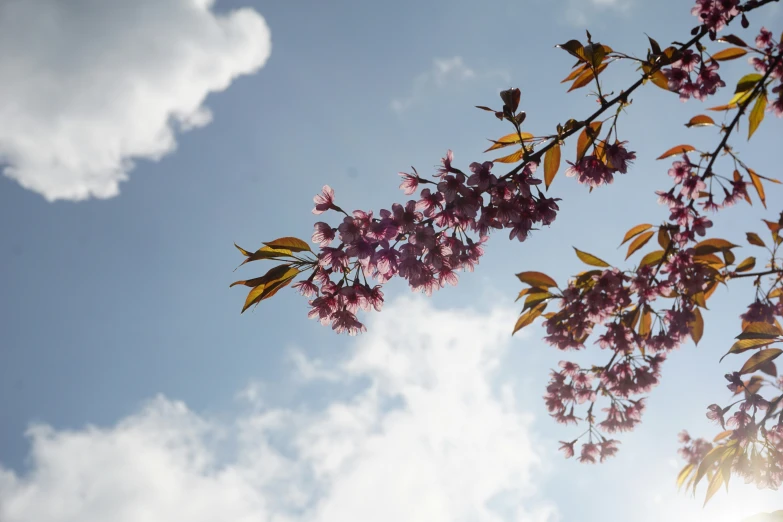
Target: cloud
443	73
579	13
430	437
92	85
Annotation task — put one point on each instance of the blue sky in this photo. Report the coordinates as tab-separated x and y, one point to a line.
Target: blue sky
122	347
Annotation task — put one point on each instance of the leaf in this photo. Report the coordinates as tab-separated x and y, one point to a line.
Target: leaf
639	242
747	83
754	239
697	326
769	368
746	265
708	462
679	149
684	475
715	483
660	80
732	53
730	38
537	279
638	229
760	358
291	243
663	237
757	114
551	164
528	317
534	299
576	72
760	330
574	48
586	77
586	138
651	258
710	246
269	284
645	324
754	178
726	107
702	120
508	139
265	253
511	158
590	259
748	344
722	435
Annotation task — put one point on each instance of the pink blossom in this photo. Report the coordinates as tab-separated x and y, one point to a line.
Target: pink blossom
324	201
323	234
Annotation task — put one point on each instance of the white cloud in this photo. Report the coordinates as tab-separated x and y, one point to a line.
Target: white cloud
89	86
443	73
581	12
431	438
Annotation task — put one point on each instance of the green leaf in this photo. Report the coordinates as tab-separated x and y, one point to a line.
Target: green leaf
590	259
537	279
639	242
536	298
291	243
760	358
757	114
747	82
551	164
743	345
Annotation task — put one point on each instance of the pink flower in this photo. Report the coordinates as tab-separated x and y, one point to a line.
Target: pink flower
618	157
446	162
324	201
590	171
589	453
410	182
323	234
567	448
306	288
481	178
764	38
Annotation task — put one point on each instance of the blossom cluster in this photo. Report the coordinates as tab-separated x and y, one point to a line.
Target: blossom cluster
426	241
769	48
691	77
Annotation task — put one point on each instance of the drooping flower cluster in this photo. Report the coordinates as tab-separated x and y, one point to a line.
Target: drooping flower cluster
716	13
426	241
705	82
593	172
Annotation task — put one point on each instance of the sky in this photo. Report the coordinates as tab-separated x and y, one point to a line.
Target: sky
140	139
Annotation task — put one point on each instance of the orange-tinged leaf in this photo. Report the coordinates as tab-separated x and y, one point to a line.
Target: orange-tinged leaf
586	138
244	252
757	114
590	259
732	53
537	279
252	283
528	317
291	243
651	258
509	139
697	326
746	265
574	48
754	239
702	120
759	358
710	246
253	297
726	107
586	77
269	283
660	80
679	149
576	72
639	242
635	231
755	179
511	158
551	164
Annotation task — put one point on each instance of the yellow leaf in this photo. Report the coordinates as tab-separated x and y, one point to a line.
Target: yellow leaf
651	258
660	80
679	149
757	114
537	279
590	259
715	483
710	246
684	475
509	139
755	179
697	326
638	229
586	77
511	158
551	164
731	53
760	358
290	243
639	242
268	284
746	265
586	138
528	317
754	239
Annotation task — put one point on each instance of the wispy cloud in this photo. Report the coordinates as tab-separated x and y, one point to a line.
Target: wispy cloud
433	437
581	12
444	72
92	86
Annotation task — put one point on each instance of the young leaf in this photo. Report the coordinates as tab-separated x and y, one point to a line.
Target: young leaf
730	38
586	138
747	83
710	246
528	317
508	139
291	243
757	114
697	326
651	258
760	330
639	242
744	345
754	239
586	77
576	72
575	49
551	164
660	80
746	265
759	358
679	149
756	180
684	475
732	53
269	284
511	158
708	462
590	259
715	483
702	120
635	231
537	279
